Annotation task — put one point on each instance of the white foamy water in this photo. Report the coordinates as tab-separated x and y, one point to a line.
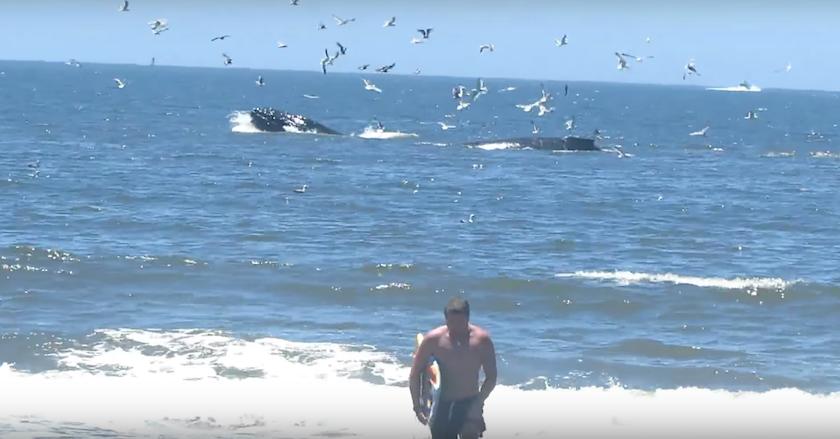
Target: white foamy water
737	88
628	277
299	403
139	383
241	122
375	133
496	145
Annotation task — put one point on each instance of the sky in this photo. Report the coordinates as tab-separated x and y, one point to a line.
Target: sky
729	41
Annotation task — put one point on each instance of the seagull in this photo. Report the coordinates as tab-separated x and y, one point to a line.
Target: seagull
622	63
385	69
458	92
124	7
221	37
506	89
462	105
690	69
159	25
425	32
325	60
322	26
701	133
282	45
294	2
570	124
483	47
535	130
120	83
444	126
260	81
751	115
341	48
561	42
647	40
471	219
543	109
228	60
415	40
342	22
301	189
363	66
390	23
417	71
480	89
786	68
566	90
371	86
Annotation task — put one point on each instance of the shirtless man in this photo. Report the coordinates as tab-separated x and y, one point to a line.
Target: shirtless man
461	350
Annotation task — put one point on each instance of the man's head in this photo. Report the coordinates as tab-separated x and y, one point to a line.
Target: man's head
457	314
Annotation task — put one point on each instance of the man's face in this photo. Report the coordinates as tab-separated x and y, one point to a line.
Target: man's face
457	323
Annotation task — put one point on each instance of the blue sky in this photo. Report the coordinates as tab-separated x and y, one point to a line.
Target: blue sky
729	41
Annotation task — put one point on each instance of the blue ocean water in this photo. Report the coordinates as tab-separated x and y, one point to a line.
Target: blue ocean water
145	225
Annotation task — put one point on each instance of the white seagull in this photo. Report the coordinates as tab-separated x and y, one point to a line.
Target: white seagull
535	130
282	45
260	81
341	21
444	126
371	86
124	7
622	63
301	189
470	220
391	22
561	42
690	69
159	25
228	60
415	40
120	83
570	124
701	133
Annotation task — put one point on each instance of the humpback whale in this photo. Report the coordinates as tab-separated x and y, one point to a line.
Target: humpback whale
269	119
569	143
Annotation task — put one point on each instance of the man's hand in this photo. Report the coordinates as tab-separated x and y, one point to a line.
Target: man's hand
421	414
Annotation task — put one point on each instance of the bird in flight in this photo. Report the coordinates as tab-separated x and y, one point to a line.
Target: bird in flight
425	32
484	47
341	21
124	7
385	69
561	42
371	86
220	37
391	22
228	60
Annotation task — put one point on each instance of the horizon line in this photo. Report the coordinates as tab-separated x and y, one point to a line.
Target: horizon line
314	71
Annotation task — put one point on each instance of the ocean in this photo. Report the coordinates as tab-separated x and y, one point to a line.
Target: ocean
161	277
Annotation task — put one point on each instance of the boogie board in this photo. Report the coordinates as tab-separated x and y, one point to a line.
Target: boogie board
429	382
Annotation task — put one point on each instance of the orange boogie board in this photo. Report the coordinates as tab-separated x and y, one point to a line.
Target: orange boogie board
429	382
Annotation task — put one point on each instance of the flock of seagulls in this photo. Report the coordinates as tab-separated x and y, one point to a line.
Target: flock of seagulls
465	97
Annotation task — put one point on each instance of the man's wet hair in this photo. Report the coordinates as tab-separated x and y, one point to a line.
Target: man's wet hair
456	305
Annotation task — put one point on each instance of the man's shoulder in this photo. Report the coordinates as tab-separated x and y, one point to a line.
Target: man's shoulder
480	333
436	333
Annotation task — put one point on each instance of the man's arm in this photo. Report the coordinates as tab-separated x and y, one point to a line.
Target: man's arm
488	363
421	360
